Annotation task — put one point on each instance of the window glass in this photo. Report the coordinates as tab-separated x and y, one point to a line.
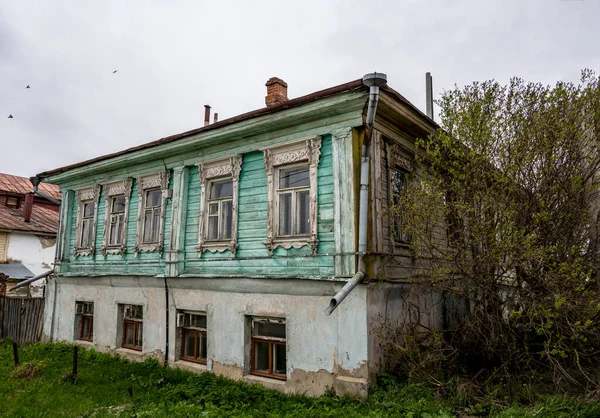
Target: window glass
285	214
118	204
261	356
294	177
279	359
198	321
153	198
303	212
269	329
221	189
88	210
226	215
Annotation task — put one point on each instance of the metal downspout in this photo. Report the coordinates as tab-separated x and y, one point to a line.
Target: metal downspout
33	279
373	81
166	322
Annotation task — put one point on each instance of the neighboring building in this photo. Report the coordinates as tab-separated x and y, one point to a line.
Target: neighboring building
28	227
220	248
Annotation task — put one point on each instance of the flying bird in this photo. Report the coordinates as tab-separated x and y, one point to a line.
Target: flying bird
10	116
115	71
27	86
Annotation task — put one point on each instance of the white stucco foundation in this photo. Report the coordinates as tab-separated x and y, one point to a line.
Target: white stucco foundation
322	351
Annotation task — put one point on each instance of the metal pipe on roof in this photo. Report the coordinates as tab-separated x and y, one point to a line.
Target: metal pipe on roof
206	115
429	95
373	81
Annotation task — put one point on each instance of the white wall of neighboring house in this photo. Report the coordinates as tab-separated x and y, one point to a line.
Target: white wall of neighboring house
34	252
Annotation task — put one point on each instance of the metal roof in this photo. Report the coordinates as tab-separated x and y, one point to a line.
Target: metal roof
22	185
16	271
43	220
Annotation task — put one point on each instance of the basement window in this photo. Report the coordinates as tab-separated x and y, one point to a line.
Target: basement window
133	316
268	349
84	321
193	336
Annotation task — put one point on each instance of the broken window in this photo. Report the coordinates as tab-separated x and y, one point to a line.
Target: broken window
84	321
193	336
268	349
398	190
133	316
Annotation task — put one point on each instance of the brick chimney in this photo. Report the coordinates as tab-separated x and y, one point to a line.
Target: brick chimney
276	92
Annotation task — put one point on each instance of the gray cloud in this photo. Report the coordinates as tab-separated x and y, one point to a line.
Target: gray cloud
172	58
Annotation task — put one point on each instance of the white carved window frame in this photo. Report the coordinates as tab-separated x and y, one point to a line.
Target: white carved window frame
396	161
111	190
307	150
86	195
222	169
160	181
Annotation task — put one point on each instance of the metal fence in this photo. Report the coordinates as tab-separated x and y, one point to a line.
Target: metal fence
21	319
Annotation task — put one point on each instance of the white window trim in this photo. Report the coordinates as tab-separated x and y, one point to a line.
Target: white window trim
114	189
86	195
228	168
305	150
151	181
395	161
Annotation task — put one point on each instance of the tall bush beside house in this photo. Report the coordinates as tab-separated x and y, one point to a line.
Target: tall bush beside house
505	211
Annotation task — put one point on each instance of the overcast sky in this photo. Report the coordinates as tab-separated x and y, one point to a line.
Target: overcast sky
173	57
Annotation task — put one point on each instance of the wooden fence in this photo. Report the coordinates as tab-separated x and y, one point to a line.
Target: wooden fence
21	319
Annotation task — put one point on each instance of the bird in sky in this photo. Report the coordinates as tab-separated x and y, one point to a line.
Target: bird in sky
10	116
27	86
115	71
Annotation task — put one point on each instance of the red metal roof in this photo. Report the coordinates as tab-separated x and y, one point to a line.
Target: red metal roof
22	185
43	220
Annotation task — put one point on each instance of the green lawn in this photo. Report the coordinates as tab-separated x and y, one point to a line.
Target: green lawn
103	383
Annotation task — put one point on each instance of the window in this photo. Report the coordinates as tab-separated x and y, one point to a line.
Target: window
399	167
116	196
132	326
398	188
12	202
193	336
292	194
268	350
87	215
151	210
293	201
84	321
218	203
220	210
152	216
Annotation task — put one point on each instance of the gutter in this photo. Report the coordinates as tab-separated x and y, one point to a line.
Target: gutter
36	180
373	81
33	279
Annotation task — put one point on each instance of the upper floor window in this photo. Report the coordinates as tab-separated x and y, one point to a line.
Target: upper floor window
151	211
87	215
116	196
218	204
398	189
292	194
399	167
293	201
12	202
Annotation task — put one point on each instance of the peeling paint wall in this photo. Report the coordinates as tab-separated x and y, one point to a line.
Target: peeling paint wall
35	252
321	351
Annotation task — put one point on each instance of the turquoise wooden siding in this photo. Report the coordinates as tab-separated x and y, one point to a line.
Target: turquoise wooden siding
146	263
252	258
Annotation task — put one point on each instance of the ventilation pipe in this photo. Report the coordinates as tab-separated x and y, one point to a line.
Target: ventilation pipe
429	95
373	81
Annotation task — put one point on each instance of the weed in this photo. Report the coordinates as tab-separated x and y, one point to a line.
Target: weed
28	370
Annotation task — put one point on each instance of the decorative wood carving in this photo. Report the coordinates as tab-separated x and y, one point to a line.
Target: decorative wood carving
225	168
86	195
116	188
397	159
149	181
307	150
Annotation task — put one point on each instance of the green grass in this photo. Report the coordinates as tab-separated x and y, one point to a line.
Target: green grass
42	386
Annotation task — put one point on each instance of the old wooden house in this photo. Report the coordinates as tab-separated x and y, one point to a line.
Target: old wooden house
221	248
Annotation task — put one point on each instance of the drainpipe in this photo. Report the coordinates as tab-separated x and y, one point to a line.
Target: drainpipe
33	279
373	81
167	322
36	181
